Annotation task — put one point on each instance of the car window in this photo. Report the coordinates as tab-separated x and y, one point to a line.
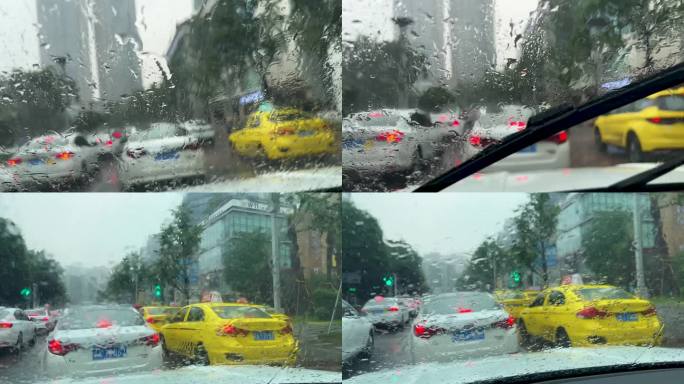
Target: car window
236	312
671	103
349	311
538	301
36	312
556	298
155	311
3	313
460	303
603	294
179	316
89	318
195	314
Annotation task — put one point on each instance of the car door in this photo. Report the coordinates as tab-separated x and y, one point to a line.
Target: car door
353	334
24	324
534	315
556	310
190	333
172	331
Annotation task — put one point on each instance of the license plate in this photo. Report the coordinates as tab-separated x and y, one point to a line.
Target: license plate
627	316
469	335
109	353
305	133
36	161
377	311
267	335
531	149
351	144
167	156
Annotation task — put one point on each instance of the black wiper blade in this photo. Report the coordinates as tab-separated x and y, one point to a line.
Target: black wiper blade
558	119
639	182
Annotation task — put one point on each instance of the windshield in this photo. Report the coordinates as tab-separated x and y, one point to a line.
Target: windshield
509	282
477	71
87	67
138	277
604	294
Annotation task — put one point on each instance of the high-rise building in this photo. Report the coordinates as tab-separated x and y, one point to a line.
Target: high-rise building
94	43
456	36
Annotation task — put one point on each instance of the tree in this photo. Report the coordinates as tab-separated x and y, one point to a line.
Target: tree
436	99
608	251
127	278
487	259
14	264
405	262
378	74
247	266
535	228
178	250
47	274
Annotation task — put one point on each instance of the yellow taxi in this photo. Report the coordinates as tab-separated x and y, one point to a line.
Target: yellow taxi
283	133
587	315
512	301
655	123
272	311
156	317
229	333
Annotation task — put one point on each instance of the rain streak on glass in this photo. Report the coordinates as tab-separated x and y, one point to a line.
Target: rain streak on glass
429	85
511	287
140	95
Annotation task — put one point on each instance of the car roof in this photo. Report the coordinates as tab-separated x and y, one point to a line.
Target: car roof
667	92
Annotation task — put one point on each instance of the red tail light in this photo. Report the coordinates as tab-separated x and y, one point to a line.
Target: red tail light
103	324
420	330
13	162
6	325
394	136
519	124
655	120
65	155
57	348
45	319
455	123
151	320
591	313
505	324
393	309
559	138
285	131
109	143
230	330
286	330
650	312
117	135
152	340
481	142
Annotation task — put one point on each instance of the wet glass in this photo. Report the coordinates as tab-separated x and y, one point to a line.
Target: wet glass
472	73
103	69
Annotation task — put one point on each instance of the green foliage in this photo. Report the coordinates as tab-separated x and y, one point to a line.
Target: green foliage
247	266
535	230
608	251
479	273
178	247
323	303
128	274
378	74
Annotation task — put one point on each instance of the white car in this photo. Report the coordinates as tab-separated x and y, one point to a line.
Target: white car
357	334
43	320
386	142
386	312
202	131
163	152
53	160
101	340
16	330
492	128
462	325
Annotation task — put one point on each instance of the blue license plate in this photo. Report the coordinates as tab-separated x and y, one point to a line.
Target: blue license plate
36	161
173	155
627	316
351	144
109	353
305	133
531	149
265	335
469	335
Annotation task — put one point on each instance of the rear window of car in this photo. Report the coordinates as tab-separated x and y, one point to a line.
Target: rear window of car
100	318
46	141
448	305
235	312
381	302
289	116
512	296
170	311
156	311
3	313
671	103
35	312
603	293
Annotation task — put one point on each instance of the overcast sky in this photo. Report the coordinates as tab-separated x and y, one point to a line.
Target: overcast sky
445	223
156	21
373	18
95	229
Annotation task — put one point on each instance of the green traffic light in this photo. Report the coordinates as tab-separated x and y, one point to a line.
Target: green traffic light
157	290
26	292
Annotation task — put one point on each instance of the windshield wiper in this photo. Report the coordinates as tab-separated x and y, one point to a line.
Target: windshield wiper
549	123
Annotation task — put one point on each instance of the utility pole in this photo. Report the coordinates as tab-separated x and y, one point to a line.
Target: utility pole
275	198
638	249
395	284
34	295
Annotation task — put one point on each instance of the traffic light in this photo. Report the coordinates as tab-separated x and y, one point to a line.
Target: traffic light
389	281
157	290
516	276
26	292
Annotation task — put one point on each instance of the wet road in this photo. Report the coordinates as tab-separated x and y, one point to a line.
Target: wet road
23	367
